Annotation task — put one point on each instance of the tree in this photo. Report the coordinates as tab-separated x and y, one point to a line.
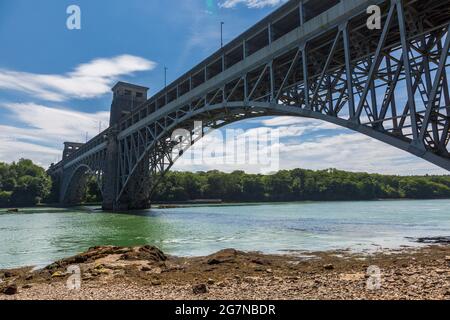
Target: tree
23	184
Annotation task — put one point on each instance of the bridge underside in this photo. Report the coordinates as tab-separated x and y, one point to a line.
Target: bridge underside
390	84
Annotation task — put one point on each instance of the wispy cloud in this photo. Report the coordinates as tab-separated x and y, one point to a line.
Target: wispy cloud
250	3
43	130
86	81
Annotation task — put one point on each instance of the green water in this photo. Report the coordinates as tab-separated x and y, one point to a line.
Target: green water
40	236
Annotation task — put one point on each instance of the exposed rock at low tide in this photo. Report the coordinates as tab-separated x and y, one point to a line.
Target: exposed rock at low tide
147	273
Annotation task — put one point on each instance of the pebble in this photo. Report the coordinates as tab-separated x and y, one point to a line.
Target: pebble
200	288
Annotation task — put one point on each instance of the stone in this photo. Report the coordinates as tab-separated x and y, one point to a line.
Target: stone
269	270
156	282
27	286
200	288
146	269
148	253
10	290
223	256
210	281
57	274
328	267
29	277
260	261
8	274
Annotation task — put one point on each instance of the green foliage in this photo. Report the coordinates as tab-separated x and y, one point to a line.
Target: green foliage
298	185
23	184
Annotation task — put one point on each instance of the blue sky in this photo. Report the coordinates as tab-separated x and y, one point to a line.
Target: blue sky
55	83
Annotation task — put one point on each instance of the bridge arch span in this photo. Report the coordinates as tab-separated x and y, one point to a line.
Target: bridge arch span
74	184
157	158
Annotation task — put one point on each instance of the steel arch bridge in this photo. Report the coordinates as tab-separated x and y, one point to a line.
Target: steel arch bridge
310	58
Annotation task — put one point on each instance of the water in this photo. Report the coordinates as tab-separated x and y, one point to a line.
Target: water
40	236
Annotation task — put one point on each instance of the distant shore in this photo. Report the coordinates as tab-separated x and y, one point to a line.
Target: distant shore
147	273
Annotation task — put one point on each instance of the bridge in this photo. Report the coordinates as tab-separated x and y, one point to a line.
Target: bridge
312	58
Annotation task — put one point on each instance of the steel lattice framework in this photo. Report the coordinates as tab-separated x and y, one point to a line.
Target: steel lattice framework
390	84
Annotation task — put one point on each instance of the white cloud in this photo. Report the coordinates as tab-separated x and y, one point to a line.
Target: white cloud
43	130
304	145
88	80
250	3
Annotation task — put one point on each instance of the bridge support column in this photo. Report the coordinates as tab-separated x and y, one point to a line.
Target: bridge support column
110	176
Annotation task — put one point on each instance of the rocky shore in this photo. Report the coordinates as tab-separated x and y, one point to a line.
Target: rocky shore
147	273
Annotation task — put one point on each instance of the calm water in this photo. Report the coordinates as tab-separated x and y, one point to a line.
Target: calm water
38	237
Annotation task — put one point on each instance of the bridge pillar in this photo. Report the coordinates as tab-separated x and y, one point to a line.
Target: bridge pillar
126	98
110	176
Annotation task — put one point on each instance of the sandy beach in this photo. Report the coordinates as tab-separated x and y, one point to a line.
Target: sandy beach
147	273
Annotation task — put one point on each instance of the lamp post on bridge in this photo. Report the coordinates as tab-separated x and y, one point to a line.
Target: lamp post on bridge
221	34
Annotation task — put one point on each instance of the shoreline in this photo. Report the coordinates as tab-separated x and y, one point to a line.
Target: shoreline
144	272
195	203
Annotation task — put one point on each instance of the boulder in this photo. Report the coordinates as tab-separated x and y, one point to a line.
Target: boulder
10	289
223	256
148	253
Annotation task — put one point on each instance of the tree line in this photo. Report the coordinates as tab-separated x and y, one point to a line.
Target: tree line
23	183
299	185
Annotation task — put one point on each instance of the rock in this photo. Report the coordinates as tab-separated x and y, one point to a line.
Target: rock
156	282
10	290
29	277
221	284
440	271
328	267
146	269
27	286
8	274
200	288
250	279
223	256
260	261
210	281
149	253
58	274
103	271
269	270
